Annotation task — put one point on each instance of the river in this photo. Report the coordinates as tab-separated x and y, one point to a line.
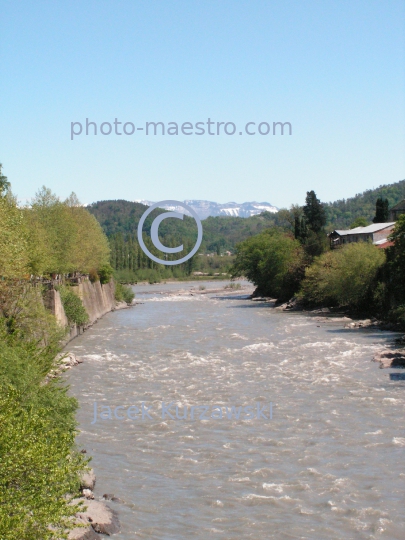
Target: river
327	462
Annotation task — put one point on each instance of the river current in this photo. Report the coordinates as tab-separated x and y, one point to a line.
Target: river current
328	464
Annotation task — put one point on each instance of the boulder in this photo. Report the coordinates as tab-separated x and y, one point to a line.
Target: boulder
111	497
88	480
121	305
390	359
88	494
83	533
100	516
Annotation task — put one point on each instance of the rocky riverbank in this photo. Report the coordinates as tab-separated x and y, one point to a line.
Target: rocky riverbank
96	518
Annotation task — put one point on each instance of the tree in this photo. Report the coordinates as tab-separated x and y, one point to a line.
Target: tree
273	260
64	236
13	239
314	212
381	210
300	229
359	222
4	183
396	263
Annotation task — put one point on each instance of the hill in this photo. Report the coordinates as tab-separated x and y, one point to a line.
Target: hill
220	233
340	214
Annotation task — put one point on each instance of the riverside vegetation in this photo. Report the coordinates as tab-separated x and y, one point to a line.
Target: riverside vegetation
119	220
296	261
40	465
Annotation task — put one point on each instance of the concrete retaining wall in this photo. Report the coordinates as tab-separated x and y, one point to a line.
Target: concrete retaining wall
97	300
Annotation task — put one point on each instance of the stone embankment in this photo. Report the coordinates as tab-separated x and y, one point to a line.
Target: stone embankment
97	300
96	517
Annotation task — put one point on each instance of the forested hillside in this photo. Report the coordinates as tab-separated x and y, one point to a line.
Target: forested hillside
223	233
340	214
220	233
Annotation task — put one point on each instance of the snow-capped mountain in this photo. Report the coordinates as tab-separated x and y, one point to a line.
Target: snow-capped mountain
209	208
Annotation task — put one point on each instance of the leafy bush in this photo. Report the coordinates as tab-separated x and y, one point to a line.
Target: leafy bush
73	306
124	293
39	465
343	277
38	469
105	273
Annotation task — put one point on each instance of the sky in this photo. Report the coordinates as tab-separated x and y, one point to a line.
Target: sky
335	70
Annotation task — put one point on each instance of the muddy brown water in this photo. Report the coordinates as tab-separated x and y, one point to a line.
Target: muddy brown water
329	464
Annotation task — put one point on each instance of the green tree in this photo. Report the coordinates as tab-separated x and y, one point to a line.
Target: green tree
4	183
359	222
273	260
381	211
13	240
314	212
396	264
64	236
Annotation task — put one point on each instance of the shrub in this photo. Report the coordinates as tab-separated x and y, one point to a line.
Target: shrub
124	293
38	469
343	277
73	306
105	273
233	286
38	462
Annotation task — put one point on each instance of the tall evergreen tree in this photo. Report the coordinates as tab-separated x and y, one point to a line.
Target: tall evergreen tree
381	211
300	228
314	212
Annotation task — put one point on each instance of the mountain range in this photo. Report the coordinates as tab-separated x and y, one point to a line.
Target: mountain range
205	209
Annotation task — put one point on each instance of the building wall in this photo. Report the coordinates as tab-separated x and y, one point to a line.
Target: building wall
380	235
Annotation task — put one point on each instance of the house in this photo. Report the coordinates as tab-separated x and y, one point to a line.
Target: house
376	233
397	210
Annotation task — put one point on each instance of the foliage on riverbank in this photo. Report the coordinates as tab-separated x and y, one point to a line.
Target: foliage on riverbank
39	463
344	277
73	306
360	277
124	293
273	260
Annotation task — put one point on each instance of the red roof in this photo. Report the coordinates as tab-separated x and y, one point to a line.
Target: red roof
385	244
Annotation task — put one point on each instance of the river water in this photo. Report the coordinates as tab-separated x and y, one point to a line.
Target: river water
329	464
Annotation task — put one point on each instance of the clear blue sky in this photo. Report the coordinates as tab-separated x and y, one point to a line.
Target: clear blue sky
334	69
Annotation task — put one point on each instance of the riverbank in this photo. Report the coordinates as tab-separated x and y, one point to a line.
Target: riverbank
98	299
